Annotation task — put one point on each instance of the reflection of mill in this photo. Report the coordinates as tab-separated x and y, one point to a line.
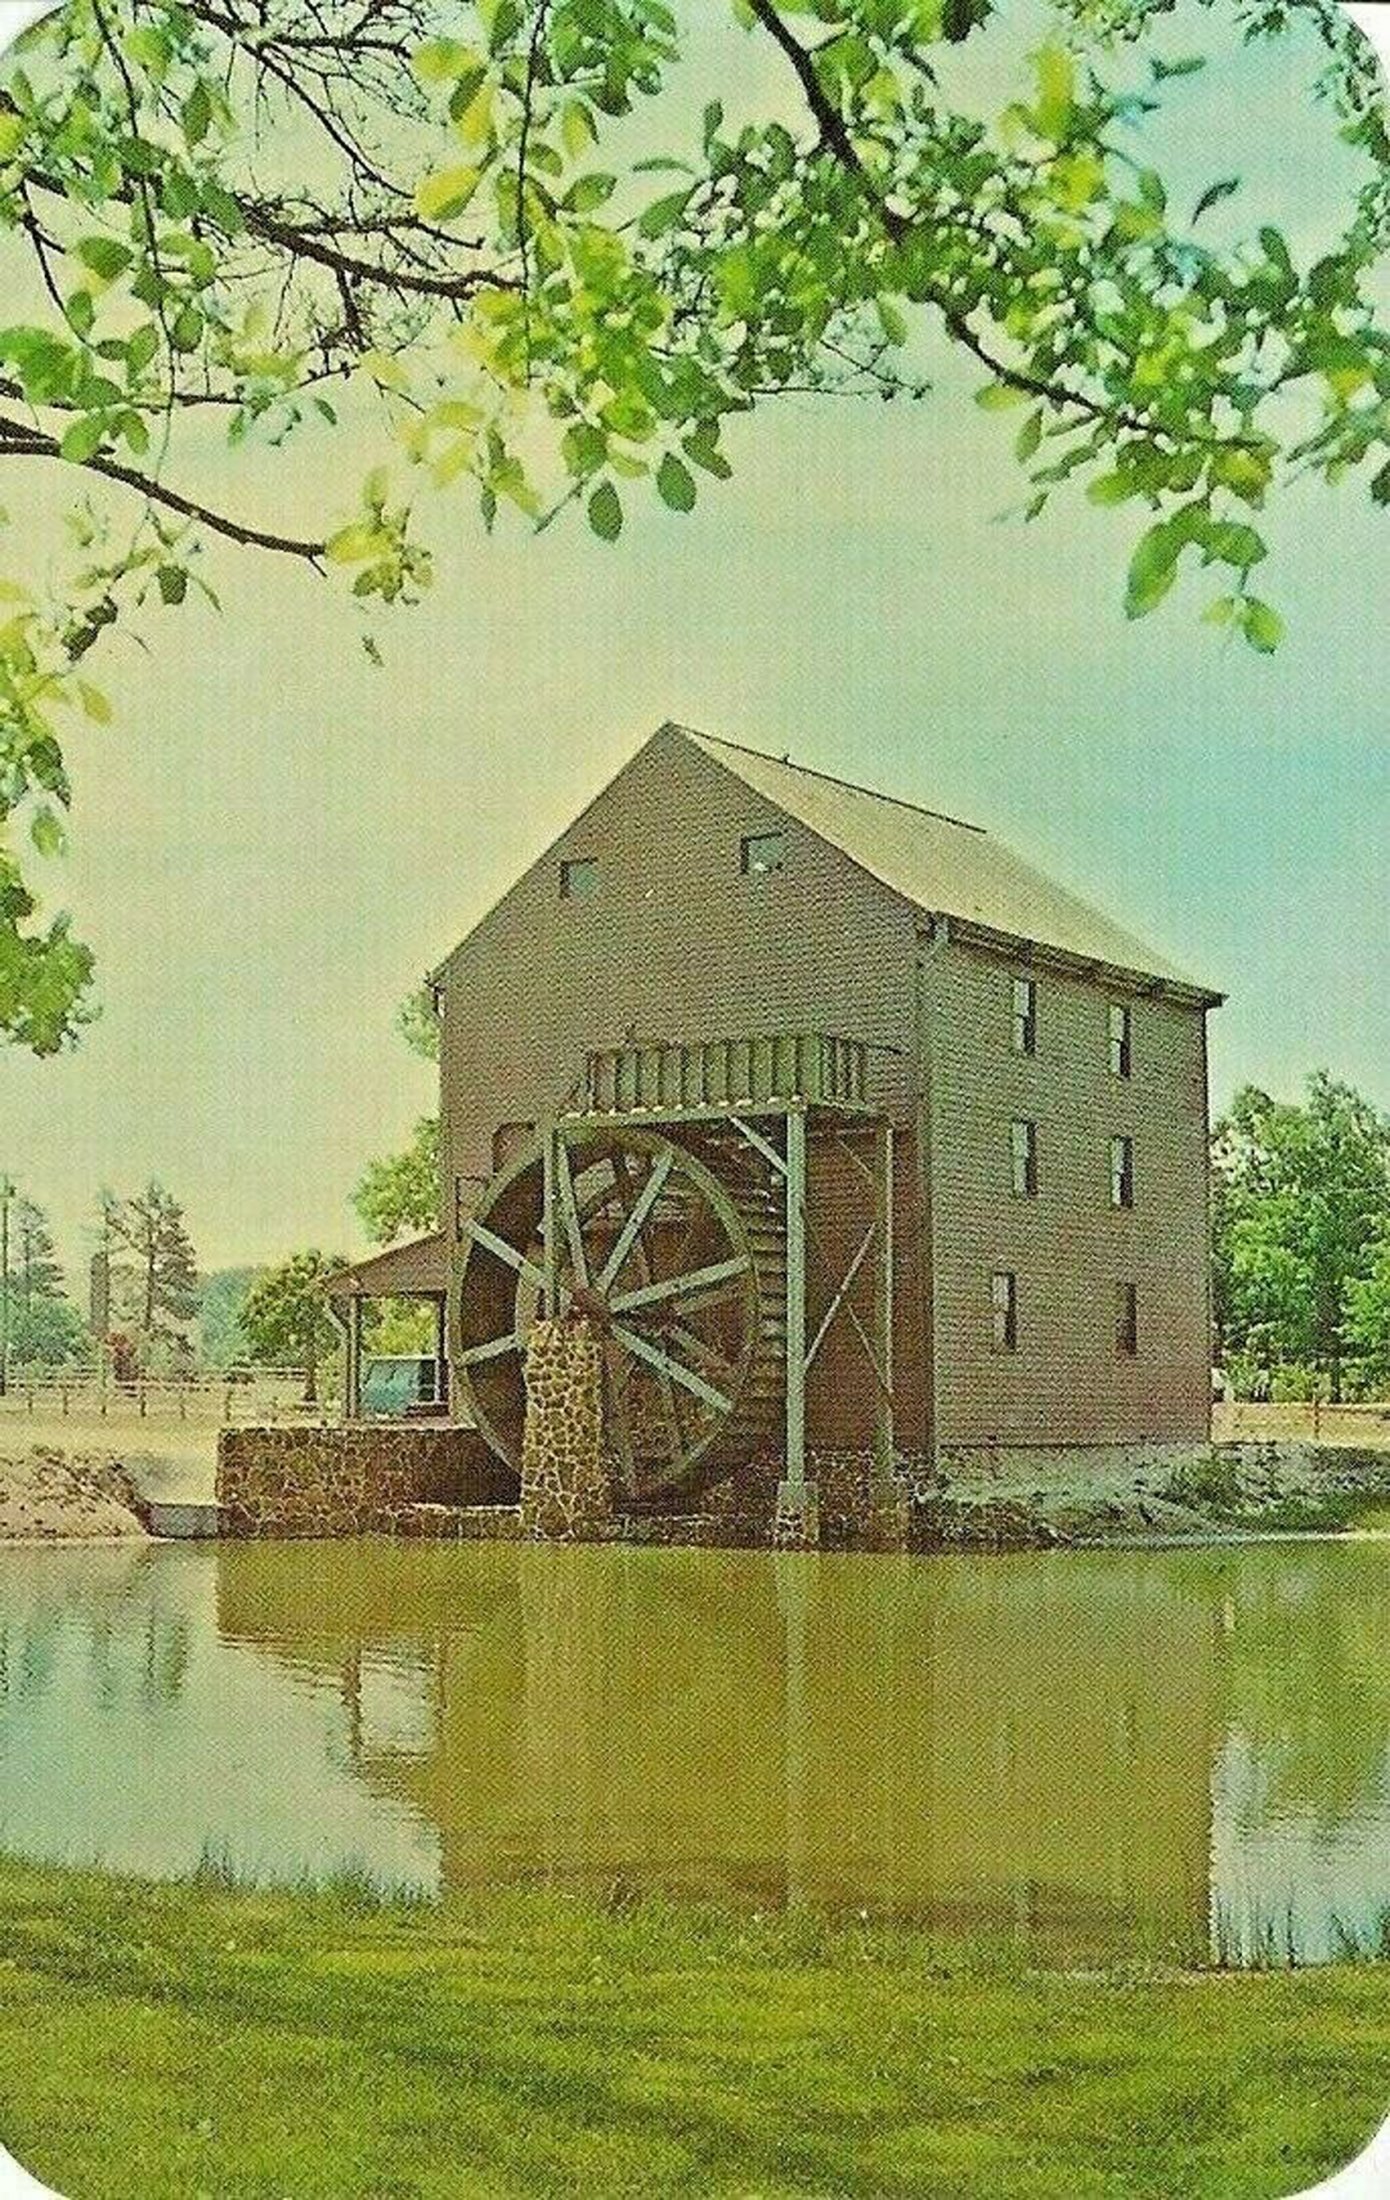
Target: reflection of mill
949	1741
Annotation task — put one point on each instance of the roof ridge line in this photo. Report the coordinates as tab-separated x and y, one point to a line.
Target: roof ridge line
852	786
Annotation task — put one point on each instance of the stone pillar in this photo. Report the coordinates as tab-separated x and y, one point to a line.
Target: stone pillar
566	1485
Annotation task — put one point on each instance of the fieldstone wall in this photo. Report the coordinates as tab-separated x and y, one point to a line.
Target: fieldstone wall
566	1480
361	1480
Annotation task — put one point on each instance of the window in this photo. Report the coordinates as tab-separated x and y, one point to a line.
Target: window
763	852
1003	1291
1024	1144
1126	1320
579	878
1122	1172
1025	1016
1119	1039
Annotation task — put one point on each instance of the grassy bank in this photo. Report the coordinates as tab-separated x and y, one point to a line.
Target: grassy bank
161	2042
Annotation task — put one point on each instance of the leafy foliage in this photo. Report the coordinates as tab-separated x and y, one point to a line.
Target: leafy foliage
221	1340
1301	1215
285	1316
399	1195
287	217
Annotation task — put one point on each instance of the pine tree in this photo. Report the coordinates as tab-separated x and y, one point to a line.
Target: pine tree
160	1276
35	1270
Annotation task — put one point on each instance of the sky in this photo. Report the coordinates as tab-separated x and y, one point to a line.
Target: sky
274	840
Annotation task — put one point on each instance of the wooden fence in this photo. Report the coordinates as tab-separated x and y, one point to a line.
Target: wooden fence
216	1400
1365	1425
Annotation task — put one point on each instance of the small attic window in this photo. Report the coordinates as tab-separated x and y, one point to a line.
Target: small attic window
579	878
761	853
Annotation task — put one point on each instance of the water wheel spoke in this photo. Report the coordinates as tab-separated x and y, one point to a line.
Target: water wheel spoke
713	1361
490	1243
719	1294
492	1350
637	1214
643	1349
680	1288
569	1210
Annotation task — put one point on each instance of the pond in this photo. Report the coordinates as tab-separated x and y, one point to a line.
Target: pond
1169	1751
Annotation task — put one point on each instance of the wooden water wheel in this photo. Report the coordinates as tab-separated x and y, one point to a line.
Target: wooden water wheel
678	1256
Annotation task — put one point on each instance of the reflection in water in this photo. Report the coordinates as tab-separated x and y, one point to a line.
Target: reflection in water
1088	1750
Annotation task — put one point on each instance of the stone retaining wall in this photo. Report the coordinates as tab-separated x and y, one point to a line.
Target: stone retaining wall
362	1480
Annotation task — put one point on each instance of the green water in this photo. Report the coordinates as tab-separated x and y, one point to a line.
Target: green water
1166	1750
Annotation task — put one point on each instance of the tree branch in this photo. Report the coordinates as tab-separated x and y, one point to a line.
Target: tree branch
19	441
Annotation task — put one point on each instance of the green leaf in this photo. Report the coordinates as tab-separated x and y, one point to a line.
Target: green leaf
1153	569
445	60
1110	489
173	583
663	213
578	130
46	832
675	484
83	439
1056	72
891	320
187	331
606	512
1214	194
1263	627
1029	436
105	256
1000	397
197	114
439	198
94	703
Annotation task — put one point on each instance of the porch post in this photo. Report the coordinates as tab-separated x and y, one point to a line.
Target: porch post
352	1401
441	1348
883	1305
797	1523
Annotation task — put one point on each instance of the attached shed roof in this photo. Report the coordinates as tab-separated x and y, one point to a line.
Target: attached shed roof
945	866
419	1265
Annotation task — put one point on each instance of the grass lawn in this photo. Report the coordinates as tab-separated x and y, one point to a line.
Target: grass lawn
160	2042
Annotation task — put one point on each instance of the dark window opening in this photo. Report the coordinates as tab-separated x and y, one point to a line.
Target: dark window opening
1023	1139
1122	1172
1003	1291
579	878
1120	1039
1126	1319
1025	1016
761	853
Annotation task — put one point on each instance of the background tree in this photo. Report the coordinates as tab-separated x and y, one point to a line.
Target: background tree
398	1196
44	1328
37	1273
222	1342
286	1319
1301	1212
156	1276
1368	1316
490	237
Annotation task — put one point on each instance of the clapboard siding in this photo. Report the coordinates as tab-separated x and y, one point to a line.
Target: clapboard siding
1066	1382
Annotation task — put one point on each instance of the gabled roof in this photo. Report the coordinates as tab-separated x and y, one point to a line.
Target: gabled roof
945	867
419	1266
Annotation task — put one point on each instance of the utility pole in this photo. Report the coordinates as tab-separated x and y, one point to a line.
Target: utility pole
7	1193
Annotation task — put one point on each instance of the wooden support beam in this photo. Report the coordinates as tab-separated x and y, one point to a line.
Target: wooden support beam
796	1299
845	1287
883	1305
761	1145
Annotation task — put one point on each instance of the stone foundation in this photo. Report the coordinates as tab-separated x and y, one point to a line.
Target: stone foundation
362	1480
566	1481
